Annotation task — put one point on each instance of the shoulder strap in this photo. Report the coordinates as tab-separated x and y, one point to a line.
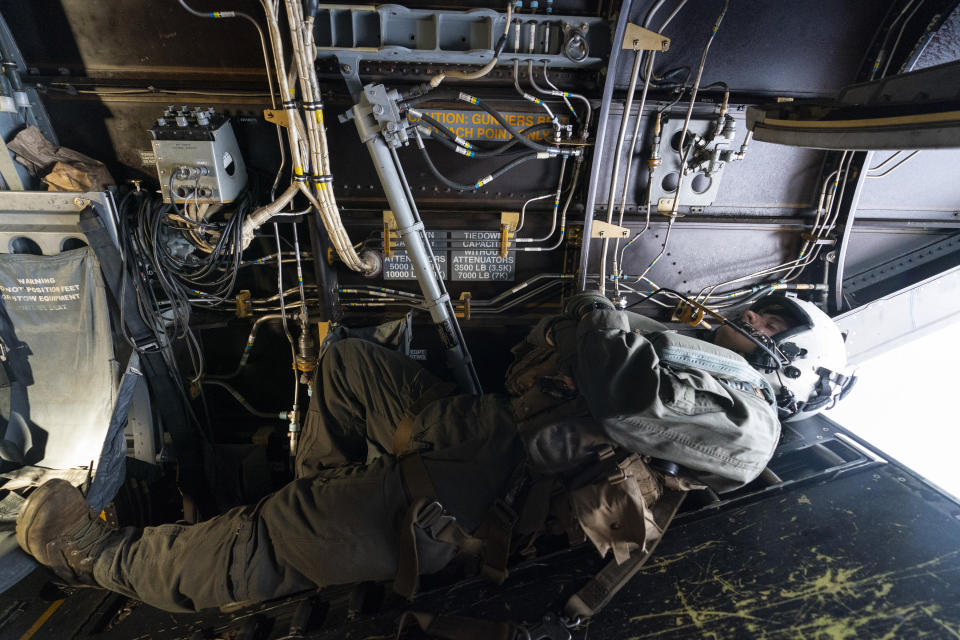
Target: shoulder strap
490	542
168	399
602	587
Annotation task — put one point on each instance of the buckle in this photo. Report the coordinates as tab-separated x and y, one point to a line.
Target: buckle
150	345
429	515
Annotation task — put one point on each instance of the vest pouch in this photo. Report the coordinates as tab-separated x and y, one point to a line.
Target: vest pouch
692	392
615	512
530	363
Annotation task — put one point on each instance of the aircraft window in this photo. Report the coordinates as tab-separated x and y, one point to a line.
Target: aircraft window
902	405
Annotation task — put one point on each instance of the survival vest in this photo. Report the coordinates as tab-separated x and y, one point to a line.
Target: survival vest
576	479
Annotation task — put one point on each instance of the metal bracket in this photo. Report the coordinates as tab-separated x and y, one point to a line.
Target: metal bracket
465	298
389	226
349	69
244	306
639	39
278	117
603	229
508	226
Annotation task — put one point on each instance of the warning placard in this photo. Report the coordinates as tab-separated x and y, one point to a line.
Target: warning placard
460	255
42	294
475	255
480	125
399	267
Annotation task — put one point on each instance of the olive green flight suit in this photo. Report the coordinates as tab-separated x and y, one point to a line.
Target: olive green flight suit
339	522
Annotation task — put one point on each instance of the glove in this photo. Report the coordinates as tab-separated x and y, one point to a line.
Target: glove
583	303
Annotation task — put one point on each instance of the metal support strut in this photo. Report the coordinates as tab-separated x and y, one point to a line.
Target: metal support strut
381	130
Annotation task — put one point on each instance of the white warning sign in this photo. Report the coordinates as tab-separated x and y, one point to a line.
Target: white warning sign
475	255
399	267
41	294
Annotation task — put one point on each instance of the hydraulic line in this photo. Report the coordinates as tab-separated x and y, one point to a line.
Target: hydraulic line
548	92
893	168
805	256
618	149
523	210
556	206
276	415
585	133
286	328
663	249
626	175
634	74
882	53
518	300
654	162
482	181
684	149
470	149
578	164
534	99
563	215
633	146
248	347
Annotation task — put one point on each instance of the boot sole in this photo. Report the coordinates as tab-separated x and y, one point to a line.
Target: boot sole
27	513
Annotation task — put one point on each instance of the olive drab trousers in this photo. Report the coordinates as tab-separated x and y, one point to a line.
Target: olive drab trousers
339	521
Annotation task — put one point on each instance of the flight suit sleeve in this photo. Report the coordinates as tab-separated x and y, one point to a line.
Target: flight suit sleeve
616	369
684	415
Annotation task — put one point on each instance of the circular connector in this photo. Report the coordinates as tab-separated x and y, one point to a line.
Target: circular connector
372	258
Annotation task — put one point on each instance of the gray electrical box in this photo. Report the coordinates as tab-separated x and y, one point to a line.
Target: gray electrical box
197	156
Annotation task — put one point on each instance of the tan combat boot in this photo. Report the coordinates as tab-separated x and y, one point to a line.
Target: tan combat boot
58	528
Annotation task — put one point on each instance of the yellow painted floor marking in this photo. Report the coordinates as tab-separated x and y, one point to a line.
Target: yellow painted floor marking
42	619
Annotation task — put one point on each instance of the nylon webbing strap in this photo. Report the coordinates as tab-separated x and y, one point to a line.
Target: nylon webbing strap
421	491
496	530
167	399
407	580
401	437
428	514
416	478
464	628
111	467
603	586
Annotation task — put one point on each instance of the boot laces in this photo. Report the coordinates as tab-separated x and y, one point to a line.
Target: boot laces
89	535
